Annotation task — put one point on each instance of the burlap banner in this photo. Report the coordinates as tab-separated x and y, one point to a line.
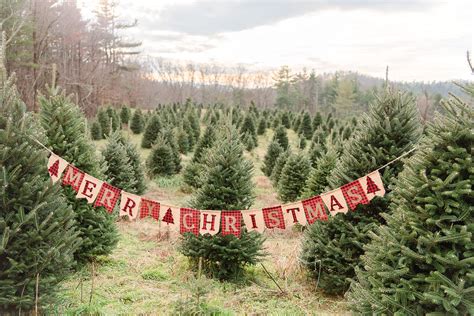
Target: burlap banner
226	222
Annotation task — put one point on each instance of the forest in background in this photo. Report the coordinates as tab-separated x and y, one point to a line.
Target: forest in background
97	63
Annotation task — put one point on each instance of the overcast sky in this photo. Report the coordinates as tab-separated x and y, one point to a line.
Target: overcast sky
419	40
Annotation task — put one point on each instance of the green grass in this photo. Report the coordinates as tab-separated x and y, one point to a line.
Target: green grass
146	274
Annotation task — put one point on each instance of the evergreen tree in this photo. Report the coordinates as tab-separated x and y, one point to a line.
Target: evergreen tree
372	145
227	186
262	126
114	119
96	131
170	137
38	235
65	131
249	141
137	122
118	169
125	115
161	161
152	130
193	121
293	177
278	167
248	127
317	181
105	122
421	261
281	137
183	141
136	164
274	150
285	119
205	142
317	121
302	143
305	127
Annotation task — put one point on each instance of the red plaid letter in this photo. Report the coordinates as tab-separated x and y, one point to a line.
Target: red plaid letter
273	217
149	207
231	223
108	196
189	221
314	209
354	194
73	177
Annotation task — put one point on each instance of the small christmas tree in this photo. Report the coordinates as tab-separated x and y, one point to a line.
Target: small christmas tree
339	243
114	119
227	186
205	142
249	142
183	141
306	128
317	181
278	167
262	126
302	143
66	135
293	177
152	130
274	150
285	119
161	160
136	164
38	235
248	128
317	121
118	169
137	122
96	131
281	137
170	138
421	261
125	115
105	122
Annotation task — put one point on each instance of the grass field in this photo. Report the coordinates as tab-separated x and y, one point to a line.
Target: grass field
147	275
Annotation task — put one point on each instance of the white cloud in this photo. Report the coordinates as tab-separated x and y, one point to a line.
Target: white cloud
420	41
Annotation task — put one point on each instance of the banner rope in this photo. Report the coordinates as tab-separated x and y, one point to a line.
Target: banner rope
326	192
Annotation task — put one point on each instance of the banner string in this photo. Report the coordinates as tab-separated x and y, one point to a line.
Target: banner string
326	192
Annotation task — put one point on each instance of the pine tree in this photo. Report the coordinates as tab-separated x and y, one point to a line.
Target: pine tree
391	128
248	127
96	131
205	142
301	143
305	127
274	150
262	126
281	137
152	130
118	169
137	122
317	121
125	115
170	137
114	119
136	164
293	177
278	167
285	119
317	181
161	160
227	186
66	136
38	235
249	142
105	122
183	141
421	261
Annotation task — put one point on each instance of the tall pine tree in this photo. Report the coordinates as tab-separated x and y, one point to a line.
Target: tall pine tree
227	186
391	128
421	261
66	135
38	235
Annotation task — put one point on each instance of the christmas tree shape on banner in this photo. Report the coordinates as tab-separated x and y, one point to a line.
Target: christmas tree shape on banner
371	186
168	218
